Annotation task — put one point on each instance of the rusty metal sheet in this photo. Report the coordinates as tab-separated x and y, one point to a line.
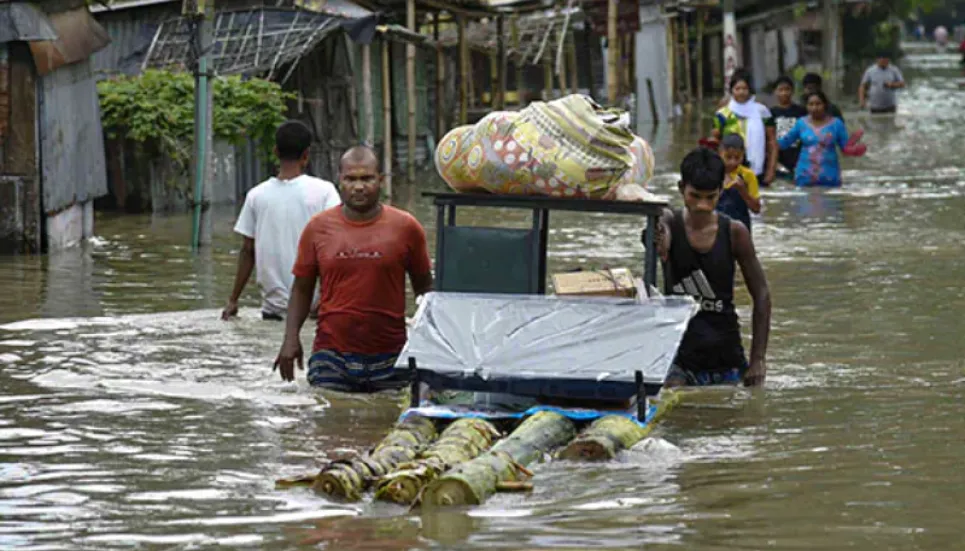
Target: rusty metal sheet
21	21
71	138
131	32
78	36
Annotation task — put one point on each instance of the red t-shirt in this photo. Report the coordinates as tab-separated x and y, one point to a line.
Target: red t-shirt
362	267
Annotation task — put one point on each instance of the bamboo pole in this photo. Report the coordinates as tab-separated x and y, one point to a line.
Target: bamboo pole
561	76
547	79
463	71
520	83
700	55
501	54
612	52
685	43
410	90
368	111
571	58
440	80
387	119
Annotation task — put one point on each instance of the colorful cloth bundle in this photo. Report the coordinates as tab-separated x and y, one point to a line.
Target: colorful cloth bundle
569	147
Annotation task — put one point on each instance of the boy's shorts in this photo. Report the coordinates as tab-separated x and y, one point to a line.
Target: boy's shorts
679	376
356	372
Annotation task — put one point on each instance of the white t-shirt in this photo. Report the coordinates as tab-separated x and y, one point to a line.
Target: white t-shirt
274	215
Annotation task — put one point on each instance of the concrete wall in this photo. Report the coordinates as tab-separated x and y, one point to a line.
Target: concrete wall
70	227
651	63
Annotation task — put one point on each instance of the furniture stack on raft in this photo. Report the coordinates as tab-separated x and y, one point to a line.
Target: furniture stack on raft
572	377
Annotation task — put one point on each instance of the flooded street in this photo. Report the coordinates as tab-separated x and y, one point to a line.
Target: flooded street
131	416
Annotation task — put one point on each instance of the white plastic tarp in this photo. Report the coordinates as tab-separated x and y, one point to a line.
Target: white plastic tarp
547	337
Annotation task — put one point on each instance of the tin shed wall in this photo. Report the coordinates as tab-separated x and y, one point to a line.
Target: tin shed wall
71	138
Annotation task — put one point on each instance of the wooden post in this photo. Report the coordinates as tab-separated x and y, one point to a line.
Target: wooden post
587	68
731	51
20	151
368	112
612	52
520	84
829	42
547	79
463	71
440	81
387	119
493	80
571	58
501	54
671	59
410	90
685	47
700	55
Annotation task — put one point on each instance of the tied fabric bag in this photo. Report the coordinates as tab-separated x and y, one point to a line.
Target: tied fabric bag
569	147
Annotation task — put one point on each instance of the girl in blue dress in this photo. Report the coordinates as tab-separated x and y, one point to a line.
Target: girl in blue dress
821	136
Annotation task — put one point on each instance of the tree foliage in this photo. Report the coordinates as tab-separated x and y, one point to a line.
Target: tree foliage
156	110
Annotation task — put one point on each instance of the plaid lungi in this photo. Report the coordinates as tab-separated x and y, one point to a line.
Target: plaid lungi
355	372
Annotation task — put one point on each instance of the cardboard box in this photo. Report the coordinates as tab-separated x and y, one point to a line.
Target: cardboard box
616	282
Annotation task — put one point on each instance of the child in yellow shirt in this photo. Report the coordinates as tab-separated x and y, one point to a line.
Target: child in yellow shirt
741	194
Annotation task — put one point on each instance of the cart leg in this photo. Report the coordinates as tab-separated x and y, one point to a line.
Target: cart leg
641	397
440	247
650	258
414	399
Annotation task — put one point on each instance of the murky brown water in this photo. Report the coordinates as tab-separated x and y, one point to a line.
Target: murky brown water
131	417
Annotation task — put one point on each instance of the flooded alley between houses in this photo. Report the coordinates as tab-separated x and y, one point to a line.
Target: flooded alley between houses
131	416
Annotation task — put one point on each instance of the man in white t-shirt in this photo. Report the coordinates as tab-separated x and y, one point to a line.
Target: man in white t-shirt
272	219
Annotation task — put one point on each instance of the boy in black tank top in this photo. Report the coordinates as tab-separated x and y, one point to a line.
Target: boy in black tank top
699	247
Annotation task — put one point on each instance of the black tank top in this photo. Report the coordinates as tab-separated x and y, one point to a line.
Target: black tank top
709	278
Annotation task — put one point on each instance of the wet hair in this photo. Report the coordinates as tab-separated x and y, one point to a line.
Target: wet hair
813	78
821	96
784	80
292	139
732	141
360	154
742	75
702	169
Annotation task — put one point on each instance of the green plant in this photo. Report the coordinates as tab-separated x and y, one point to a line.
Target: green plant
156	110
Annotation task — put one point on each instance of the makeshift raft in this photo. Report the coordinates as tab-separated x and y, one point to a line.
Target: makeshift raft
515	357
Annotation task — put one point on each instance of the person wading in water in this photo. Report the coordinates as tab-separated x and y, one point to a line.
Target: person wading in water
699	247
360	253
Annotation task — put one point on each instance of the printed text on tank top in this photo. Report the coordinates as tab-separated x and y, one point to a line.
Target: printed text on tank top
697	283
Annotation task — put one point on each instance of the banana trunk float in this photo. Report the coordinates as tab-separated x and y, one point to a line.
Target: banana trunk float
609	435
349	478
461	441
471	483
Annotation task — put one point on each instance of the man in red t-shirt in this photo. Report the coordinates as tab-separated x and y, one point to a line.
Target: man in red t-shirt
360	252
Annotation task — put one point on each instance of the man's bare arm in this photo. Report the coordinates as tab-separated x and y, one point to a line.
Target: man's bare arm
299	303
421	283
246	264
756	281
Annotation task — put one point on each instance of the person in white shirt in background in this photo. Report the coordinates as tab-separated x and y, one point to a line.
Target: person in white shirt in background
272	219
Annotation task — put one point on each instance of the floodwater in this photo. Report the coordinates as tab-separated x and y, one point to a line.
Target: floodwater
131	417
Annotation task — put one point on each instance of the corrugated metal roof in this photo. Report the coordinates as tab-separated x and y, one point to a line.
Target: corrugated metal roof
246	42
130	4
24	22
78	36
